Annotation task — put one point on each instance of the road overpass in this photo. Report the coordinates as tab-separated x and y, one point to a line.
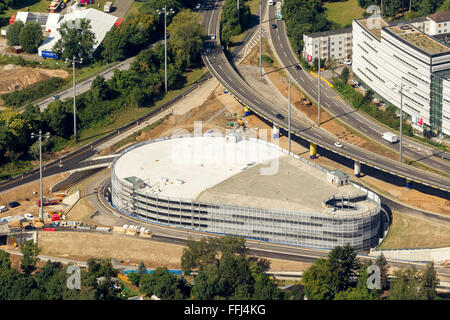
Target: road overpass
217	62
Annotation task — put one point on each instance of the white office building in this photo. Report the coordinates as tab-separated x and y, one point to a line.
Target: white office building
386	56
334	44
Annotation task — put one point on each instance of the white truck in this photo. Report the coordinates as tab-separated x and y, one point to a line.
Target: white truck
390	137
107	7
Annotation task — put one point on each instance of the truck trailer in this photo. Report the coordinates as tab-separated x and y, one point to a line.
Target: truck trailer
390	137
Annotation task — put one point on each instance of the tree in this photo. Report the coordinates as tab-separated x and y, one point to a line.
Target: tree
428	282
99	89
163	284
186	36
384	268
5	260
345	74
198	253
58	117
343	265
141	269
360	292
30	251
30	37
316	281
265	288
405	285
12	34
77	40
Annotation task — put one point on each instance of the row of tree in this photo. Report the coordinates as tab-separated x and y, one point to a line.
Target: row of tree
234	20
50	281
395	8
139	86
28	35
341	276
224	271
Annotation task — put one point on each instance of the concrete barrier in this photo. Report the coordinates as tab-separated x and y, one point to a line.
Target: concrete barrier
72	199
437	255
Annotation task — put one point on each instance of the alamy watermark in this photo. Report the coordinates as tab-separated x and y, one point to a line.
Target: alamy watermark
74	280
374	279
207	151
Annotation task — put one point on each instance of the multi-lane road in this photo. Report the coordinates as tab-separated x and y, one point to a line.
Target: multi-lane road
215	59
341	110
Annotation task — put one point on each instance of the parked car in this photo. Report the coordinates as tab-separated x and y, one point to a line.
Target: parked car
347	61
298	67
338	144
13	204
279	116
3	209
213	37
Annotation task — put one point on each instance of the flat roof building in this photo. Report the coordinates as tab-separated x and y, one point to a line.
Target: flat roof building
334	44
388	56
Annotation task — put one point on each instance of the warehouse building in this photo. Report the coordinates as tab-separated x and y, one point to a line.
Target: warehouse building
101	23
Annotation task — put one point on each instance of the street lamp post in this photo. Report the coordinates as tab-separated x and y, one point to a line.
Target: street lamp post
260	40
402	87
318	90
166	12
40	136
74	61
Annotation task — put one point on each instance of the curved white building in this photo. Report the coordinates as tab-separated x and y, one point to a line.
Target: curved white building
243	186
385	56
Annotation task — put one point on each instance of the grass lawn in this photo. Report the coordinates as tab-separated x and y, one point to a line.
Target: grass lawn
135	8
408	232
343	13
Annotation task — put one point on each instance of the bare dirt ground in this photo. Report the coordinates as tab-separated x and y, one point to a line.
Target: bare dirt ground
14	77
127	249
5	49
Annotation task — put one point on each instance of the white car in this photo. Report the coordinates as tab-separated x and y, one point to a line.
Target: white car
338	144
28	216
347	61
213	37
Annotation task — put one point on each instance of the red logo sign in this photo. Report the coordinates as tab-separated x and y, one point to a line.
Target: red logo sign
309	58
420	121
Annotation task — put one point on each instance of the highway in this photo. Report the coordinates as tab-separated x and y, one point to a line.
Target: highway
215	59
333	103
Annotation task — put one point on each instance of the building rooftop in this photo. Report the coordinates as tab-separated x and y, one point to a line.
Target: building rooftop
440	16
418	39
373	25
183	168
329	33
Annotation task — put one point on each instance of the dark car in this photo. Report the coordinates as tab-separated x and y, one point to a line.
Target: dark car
298	67
279	116
274	26
13	204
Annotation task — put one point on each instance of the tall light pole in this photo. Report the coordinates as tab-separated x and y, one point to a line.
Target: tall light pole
318	89
260	41
166	12
402	87
74	61
289	117
40	136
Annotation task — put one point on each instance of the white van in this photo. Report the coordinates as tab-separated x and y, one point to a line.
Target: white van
3	209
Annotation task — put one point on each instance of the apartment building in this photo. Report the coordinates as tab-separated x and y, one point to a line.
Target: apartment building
334	44
386	56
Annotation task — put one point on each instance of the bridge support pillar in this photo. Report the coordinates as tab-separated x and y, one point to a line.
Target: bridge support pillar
247	112
276	131
357	168
312	150
408	184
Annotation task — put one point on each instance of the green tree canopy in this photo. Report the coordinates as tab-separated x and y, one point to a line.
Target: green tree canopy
77	40
186	36
30	251
30	37
12	34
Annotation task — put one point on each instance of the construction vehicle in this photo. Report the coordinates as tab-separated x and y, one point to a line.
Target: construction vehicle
48	202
